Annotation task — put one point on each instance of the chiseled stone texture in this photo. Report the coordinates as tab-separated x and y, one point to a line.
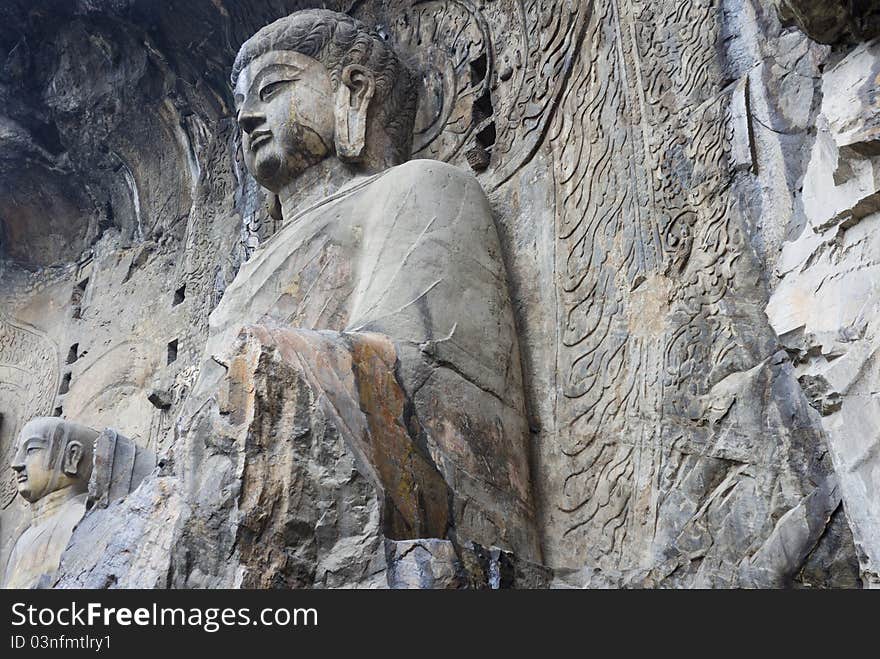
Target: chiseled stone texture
825	304
686	206
684	452
429	563
122	207
300	484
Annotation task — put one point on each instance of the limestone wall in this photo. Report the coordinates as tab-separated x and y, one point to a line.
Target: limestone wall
686	199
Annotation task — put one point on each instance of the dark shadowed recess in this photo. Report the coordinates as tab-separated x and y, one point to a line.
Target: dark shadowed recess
101	103
833	21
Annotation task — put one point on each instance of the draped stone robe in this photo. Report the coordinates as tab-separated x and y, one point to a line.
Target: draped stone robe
391	298
38	551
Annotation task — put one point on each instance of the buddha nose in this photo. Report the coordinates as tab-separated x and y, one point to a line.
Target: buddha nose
249	120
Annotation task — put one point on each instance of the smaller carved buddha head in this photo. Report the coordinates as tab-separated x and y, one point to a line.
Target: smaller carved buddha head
52	454
318	84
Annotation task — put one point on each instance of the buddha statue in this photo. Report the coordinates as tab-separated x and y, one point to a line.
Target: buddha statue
52	461
385	286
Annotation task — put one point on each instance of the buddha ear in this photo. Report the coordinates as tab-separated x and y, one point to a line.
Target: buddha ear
356	89
72	456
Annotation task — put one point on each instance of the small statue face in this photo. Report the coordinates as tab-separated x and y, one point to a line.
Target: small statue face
32	467
285	106
39	468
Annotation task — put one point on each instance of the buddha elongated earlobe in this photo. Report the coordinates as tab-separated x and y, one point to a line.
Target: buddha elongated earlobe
356	89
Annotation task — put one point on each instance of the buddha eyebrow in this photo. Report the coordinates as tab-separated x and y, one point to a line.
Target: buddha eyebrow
273	68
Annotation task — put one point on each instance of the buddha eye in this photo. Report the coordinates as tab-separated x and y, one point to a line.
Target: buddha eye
269	90
32	449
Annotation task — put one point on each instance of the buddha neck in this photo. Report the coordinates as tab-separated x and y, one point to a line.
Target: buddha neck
320	181
48	505
316	183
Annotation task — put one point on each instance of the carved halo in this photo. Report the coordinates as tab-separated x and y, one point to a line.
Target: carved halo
490	73
449	44
29	378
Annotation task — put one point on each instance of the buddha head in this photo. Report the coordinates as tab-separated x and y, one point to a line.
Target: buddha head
319	84
52	454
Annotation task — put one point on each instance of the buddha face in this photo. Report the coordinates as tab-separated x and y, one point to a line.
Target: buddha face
39	468
285	104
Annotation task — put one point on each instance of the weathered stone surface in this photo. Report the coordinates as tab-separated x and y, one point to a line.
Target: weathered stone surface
829	21
301	481
439	564
119	466
681	207
823	306
833	563
429	563
63	469
128	544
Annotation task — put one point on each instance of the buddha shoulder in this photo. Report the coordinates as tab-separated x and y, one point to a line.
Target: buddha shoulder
436	186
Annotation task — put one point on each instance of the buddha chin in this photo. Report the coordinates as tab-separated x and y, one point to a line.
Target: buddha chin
267	168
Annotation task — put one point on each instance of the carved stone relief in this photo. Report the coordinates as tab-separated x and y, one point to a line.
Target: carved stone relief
61	470
29	380
650	400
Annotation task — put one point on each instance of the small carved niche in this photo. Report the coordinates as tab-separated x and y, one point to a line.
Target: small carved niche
479	155
179	295
58	411
172	351
77	296
478	69
65	384
73	353
486	137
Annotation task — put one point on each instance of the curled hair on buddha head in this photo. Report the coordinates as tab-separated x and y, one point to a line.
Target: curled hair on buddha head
337	40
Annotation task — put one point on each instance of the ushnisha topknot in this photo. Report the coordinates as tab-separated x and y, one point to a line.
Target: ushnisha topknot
337	40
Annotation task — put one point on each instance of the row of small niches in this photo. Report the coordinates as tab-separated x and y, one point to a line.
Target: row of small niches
179	297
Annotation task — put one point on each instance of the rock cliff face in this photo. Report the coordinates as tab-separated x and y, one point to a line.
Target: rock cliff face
833	21
687	202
